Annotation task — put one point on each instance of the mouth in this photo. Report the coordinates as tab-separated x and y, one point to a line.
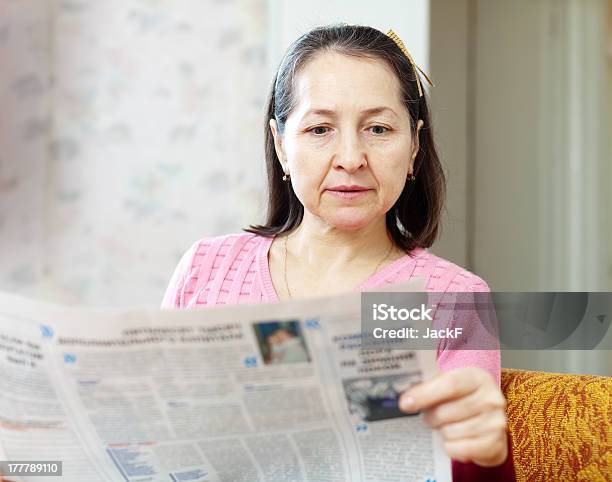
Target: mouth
348	192
352	188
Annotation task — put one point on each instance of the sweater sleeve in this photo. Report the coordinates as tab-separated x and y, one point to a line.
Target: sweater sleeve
173	298
490	361
479	344
469	472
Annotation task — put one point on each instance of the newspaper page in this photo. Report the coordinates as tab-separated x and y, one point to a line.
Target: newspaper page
269	392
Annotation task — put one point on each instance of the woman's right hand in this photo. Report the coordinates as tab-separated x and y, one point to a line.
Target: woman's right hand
468	409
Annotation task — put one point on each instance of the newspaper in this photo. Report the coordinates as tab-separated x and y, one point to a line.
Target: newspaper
269	392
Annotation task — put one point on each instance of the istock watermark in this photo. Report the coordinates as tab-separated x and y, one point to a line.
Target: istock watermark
383	312
487	321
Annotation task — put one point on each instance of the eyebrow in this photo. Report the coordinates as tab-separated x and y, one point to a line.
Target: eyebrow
332	113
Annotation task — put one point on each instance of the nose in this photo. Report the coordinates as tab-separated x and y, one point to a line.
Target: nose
350	154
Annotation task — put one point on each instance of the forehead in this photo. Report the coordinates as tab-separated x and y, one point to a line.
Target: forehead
331	80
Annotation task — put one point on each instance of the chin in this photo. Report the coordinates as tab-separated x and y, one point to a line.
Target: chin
350	222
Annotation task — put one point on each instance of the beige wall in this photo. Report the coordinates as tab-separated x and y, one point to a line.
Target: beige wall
499	126
609	127
450	114
518	120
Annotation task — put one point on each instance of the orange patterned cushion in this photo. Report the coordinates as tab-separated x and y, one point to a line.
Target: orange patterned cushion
560	425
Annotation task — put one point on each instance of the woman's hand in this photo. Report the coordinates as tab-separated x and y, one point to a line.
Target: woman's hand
468	409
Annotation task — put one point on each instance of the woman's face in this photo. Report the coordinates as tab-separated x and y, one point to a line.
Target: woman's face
347	144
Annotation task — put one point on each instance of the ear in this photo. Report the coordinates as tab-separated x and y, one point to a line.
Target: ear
416	146
278	145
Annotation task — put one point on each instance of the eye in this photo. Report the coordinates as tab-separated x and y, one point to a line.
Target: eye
378	130
319	130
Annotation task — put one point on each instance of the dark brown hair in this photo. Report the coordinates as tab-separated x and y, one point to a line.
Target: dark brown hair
414	219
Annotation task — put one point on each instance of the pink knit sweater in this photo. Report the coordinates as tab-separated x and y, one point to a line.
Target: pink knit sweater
233	269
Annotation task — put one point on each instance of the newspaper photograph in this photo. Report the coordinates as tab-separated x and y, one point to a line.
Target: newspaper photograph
270	392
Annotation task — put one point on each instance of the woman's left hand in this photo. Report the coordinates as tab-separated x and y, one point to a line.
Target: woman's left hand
468	409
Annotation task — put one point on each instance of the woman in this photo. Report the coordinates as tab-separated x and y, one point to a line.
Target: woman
355	195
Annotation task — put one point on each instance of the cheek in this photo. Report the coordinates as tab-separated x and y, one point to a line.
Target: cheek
391	172
308	172
392	189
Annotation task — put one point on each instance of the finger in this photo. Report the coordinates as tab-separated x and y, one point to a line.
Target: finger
491	401
473	427
488	450
453	411
445	386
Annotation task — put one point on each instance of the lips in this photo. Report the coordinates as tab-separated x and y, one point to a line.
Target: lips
349	192
351	188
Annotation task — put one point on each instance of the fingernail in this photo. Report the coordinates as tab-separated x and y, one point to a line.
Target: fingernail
407	403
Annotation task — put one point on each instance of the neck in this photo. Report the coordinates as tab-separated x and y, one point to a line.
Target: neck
316	243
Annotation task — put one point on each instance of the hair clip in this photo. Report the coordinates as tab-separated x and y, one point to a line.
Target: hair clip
398	41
